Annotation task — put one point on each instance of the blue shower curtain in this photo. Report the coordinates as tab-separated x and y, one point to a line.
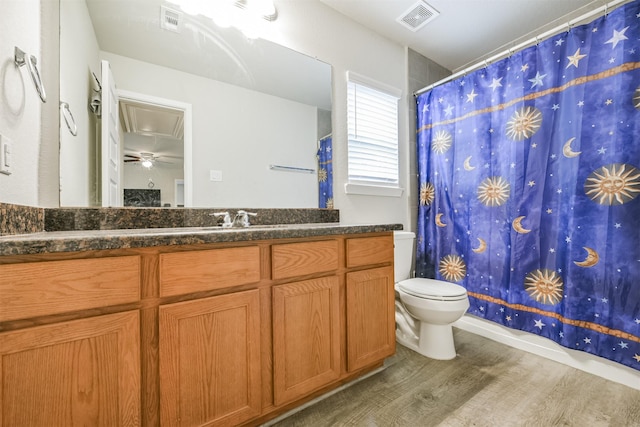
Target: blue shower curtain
325	174
529	174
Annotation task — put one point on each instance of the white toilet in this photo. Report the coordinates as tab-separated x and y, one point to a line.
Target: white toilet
427	307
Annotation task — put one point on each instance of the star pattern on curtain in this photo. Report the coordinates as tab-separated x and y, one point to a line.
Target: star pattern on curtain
529	174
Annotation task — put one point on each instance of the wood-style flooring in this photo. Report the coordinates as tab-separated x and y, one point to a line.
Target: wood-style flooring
488	384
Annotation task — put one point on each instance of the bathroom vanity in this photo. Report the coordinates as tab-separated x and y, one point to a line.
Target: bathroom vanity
189	326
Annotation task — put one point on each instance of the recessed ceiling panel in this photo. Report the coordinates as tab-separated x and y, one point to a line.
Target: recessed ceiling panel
150	120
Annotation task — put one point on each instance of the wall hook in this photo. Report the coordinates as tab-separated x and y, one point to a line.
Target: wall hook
23	58
68	118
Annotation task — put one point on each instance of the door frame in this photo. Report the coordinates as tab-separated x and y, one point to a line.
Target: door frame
110	140
188	133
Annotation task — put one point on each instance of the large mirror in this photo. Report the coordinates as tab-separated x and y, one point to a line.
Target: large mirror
207	116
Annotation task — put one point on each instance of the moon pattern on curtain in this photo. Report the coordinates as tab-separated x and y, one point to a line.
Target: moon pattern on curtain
529	175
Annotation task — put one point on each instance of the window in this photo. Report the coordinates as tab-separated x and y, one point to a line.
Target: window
373	136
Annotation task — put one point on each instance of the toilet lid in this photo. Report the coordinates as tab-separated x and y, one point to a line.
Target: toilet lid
433	289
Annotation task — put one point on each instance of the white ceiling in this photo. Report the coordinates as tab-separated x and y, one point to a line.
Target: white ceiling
466	31
152	129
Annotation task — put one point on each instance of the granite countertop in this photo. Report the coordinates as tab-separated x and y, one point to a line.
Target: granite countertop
87	240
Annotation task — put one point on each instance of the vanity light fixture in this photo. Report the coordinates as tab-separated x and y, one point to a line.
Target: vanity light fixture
263	8
246	15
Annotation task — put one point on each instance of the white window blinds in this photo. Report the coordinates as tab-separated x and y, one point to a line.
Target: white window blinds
373	135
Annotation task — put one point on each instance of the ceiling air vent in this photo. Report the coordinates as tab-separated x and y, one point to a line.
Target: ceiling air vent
170	19
417	16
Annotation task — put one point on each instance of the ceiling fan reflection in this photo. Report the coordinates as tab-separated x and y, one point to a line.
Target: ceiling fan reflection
146	160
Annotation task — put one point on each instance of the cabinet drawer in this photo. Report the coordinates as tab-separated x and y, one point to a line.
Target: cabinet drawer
369	251
52	287
185	272
299	259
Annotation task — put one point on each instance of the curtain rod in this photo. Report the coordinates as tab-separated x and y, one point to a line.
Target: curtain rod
320	139
483	63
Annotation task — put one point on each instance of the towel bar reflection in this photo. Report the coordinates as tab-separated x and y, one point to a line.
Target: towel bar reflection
291	169
23	58
65	112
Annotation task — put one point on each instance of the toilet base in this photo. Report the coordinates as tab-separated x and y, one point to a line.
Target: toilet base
435	342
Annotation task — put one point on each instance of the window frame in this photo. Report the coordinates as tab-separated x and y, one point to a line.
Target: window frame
371	187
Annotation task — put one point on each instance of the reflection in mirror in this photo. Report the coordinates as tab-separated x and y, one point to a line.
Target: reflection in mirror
153	149
253	103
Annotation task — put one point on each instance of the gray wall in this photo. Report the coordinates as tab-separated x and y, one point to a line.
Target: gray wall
324	123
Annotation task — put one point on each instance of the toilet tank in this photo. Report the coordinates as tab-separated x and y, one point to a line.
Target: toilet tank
403	254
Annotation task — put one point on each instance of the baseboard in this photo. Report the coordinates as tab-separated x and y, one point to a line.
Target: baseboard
324	396
545	347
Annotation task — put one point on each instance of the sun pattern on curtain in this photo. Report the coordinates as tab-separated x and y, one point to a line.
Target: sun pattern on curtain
325	174
529	176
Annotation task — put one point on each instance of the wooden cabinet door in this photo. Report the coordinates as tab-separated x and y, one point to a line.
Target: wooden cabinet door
210	360
370	317
78	373
306	337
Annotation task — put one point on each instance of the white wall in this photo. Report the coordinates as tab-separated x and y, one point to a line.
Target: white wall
163	177
79	53
310	27
48	158
236	131
19	104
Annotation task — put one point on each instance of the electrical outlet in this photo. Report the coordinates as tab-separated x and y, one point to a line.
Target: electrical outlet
6	159
215	175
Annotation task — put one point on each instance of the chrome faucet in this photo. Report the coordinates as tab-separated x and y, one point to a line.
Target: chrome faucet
242	218
226	221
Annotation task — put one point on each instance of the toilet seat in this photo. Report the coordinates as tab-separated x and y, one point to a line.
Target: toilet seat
433	289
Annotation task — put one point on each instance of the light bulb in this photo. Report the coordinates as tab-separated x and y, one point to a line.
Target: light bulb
264	8
250	27
190	7
222	18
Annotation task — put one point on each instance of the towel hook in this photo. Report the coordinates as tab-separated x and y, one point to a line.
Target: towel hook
21	58
68	118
